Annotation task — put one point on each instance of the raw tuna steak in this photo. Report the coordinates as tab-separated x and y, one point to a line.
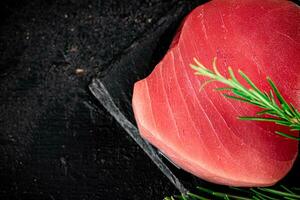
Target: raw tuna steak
199	130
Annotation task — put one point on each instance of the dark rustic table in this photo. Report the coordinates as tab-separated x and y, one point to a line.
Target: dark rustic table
56	140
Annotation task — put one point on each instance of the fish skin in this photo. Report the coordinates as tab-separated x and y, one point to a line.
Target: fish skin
199	130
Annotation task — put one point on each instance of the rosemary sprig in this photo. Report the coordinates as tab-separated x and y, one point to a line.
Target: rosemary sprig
233	193
274	107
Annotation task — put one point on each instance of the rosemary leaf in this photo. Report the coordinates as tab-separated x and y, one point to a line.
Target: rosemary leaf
287	135
282	113
281	193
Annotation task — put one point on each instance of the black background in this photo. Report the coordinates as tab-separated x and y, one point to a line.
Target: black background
56	140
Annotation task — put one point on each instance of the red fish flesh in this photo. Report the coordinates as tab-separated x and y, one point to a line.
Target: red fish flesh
199	130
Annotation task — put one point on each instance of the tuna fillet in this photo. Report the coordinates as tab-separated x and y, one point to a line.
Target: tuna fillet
199	130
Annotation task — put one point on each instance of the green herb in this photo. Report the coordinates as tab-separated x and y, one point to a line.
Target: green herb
233	193
274	107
